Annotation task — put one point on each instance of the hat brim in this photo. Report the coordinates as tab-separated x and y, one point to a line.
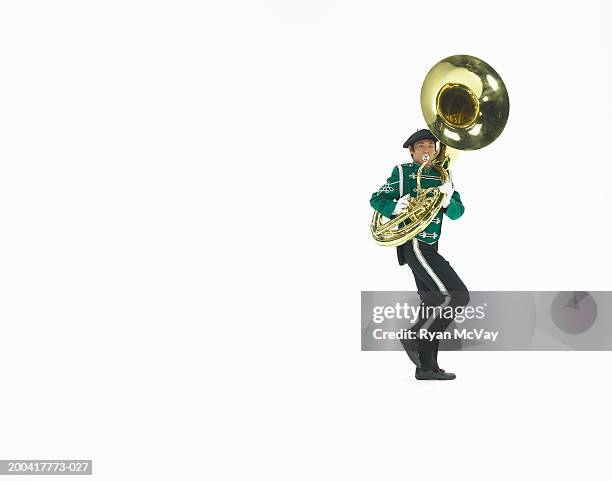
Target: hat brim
420	135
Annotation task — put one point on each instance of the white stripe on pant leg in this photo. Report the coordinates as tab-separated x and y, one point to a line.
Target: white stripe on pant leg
436	279
427	267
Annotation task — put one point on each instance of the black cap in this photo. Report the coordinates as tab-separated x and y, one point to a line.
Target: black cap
423	134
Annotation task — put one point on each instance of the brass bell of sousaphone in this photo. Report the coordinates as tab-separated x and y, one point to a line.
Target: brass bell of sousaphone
465	105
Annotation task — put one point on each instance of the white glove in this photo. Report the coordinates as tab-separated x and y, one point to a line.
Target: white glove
447	188
401	205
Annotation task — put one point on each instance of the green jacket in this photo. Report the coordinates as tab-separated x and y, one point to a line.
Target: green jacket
385	198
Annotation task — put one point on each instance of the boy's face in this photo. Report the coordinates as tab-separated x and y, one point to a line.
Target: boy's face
421	148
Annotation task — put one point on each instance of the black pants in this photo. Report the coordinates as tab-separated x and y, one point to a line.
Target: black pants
438	285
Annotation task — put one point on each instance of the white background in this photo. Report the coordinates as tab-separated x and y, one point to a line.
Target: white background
184	236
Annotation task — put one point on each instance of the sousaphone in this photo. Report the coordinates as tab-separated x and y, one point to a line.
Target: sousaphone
465	105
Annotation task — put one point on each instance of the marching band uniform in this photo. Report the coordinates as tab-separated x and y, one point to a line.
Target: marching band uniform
437	282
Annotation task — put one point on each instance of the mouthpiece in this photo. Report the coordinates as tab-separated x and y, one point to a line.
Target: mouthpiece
425	157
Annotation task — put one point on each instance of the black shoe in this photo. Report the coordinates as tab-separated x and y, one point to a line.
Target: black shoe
444	372
410	346
434	375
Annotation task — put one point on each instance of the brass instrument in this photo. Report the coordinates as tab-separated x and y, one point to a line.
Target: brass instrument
465	105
